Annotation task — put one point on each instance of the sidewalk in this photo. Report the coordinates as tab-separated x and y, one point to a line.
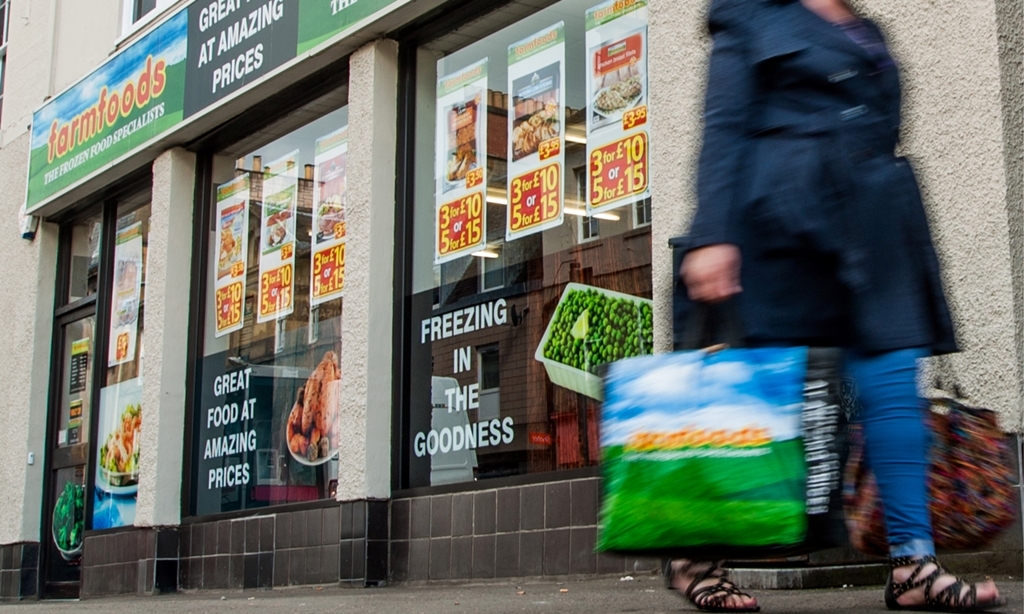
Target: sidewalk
598	596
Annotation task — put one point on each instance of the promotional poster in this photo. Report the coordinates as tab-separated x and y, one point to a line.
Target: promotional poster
461	155
117	461
617	121
277	239
327	275
124	309
536	139
232	248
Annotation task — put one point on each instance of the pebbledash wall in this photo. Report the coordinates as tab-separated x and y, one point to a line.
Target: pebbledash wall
964	91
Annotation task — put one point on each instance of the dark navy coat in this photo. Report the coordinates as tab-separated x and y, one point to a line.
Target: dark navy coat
798	169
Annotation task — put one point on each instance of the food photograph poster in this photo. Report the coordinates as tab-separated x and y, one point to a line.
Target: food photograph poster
461	163
277	239
536	151
117	462
124	310
617	141
327	275
232	247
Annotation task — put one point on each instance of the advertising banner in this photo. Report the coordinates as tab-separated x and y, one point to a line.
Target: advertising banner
617	140
461	155
264	431
117	461
132	98
232	251
124	309
327	275
536	142
233	43
277	239
321	20
199	56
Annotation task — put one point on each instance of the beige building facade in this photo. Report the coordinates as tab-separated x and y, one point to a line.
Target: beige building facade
240	356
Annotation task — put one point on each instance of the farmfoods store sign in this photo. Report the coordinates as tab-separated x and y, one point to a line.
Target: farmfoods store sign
205	52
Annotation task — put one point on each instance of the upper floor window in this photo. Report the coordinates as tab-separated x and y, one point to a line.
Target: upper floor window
137	13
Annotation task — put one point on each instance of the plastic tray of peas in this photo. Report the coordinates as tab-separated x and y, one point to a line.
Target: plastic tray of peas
591	328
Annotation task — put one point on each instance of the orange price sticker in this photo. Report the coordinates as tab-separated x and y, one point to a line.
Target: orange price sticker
474	178
121	352
237	269
550	148
229	306
634	117
287	250
339	230
618	170
460	224
276	291
535	198
329	271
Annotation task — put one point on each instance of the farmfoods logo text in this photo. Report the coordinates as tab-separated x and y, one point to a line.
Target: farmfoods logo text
65	137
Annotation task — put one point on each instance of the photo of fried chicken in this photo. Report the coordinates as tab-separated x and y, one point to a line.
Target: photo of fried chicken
311	428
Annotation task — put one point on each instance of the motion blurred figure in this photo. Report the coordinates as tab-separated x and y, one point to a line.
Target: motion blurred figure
811	222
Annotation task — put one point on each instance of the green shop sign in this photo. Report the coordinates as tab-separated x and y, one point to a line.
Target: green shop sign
205	52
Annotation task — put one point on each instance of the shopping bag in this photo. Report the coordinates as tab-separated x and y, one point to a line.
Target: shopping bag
727	454
971	490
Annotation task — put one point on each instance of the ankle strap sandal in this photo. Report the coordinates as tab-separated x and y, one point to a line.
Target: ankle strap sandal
952	598
712	597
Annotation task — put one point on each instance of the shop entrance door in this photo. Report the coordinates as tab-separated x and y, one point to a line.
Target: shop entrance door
72	399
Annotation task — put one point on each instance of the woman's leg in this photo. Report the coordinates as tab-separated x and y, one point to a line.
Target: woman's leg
897	441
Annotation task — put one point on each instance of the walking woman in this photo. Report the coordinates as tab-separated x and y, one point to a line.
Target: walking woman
808	219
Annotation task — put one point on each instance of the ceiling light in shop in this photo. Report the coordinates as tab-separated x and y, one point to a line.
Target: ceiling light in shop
572	138
611	217
574	211
486	253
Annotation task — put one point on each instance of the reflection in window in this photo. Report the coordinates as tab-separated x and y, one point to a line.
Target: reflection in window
272	344
560	302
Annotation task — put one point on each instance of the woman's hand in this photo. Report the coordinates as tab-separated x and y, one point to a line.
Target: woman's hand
712	273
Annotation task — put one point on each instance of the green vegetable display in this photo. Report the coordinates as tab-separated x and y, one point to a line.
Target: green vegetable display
69	518
591	329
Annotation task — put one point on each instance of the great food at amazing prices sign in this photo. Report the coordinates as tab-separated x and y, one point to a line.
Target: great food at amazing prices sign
205	52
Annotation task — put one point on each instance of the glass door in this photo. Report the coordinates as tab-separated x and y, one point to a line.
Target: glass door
68	454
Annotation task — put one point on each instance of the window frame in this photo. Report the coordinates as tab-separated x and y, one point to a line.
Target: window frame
131	24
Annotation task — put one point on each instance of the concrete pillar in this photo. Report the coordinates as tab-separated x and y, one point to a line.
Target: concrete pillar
365	467
165	364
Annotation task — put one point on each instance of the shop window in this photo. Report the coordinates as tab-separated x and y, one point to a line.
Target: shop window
539	157
265	424
84	259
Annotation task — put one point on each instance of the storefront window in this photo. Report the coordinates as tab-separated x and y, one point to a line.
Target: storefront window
119	424
532	244
84	264
265	426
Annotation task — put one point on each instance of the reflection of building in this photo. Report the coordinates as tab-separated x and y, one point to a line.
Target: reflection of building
377	512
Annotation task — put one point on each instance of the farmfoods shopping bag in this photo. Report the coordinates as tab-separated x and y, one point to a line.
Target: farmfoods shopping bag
733	454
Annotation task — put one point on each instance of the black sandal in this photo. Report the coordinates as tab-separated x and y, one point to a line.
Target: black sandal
950	599
710	598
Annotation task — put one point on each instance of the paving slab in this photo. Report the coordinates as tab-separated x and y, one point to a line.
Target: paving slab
589	596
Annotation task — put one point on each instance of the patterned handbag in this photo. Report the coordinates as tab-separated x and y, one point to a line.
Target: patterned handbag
970	482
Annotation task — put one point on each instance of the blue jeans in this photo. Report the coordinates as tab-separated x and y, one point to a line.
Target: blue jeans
896	443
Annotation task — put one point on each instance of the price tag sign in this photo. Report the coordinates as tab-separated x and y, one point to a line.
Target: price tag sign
460	212
460	225
228	303
329	272
276	292
535	199
618	171
618	113
536	132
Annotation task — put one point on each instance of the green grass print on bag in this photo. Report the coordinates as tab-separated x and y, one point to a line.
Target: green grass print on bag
707	451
